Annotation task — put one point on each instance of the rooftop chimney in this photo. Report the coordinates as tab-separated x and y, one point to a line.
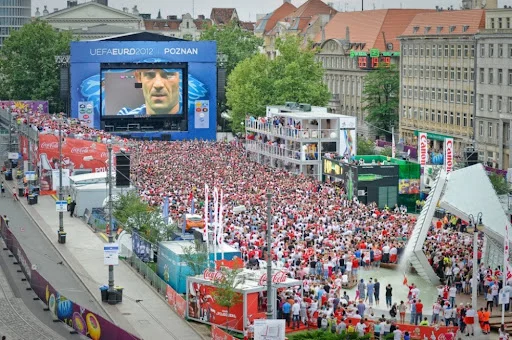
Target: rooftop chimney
201	17
347	34
172	17
38	14
55	9
45	10
125	9
72	3
135	10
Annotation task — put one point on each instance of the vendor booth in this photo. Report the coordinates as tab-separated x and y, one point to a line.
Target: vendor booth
201	305
172	267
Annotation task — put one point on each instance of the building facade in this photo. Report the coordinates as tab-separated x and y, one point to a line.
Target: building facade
13	15
494	89
185	27
345	46
437	77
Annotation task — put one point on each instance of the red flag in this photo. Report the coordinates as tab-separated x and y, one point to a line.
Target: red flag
190	197
405	280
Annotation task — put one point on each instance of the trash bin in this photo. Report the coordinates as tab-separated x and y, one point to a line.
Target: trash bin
62	237
20	192
104	293
119	291
32	199
8	175
113	297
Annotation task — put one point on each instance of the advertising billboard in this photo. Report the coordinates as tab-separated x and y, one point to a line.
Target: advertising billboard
40	106
348	136
167	85
422	148
448	155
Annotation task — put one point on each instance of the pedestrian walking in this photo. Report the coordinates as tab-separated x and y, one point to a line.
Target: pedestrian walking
71	208
2	187
15	196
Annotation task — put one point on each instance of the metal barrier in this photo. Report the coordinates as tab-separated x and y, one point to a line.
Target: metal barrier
143	269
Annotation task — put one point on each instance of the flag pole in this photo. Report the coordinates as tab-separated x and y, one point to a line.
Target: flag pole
206	229
215	221
505	271
221	224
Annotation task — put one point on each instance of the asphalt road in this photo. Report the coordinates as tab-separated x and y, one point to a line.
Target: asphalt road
49	263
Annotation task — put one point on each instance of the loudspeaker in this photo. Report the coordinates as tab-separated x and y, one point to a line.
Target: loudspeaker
122	170
471	157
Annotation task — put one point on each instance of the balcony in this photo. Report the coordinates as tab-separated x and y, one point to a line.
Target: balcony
285	154
291	132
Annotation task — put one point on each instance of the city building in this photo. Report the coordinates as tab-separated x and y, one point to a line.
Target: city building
346	45
185	27
437	77
306	22
224	16
493	109
268	21
13	15
93	20
295	137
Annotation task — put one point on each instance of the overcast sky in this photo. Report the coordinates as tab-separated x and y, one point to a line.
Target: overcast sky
248	9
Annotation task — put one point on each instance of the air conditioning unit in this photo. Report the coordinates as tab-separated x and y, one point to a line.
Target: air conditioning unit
290	105
305	107
361	193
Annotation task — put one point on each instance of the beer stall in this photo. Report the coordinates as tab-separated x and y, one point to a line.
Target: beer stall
201	305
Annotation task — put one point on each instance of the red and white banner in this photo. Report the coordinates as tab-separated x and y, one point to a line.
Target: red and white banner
506	250
448	155
393	147
422	148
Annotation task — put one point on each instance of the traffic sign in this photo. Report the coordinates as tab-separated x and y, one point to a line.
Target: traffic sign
61	206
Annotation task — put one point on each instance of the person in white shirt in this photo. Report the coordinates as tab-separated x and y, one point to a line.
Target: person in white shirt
470	320
296	314
436	309
397	334
361	327
452	293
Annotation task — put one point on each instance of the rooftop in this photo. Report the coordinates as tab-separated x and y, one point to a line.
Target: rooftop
464	22
300	18
374	28
268	22
317	112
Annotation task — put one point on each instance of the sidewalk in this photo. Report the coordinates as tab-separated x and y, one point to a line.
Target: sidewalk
150	318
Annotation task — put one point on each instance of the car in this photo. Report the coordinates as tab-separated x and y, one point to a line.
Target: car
194	221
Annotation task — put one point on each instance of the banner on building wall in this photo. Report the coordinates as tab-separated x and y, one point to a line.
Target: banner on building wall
448	155
422	148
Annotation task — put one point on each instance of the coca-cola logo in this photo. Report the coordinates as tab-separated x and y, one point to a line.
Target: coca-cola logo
80	151
423	148
49	145
278	277
212	275
449	155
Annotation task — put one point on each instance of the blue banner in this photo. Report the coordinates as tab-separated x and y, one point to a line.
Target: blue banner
165	210
141	247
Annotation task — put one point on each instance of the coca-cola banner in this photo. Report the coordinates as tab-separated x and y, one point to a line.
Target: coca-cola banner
73	153
422	148
448	155
202	307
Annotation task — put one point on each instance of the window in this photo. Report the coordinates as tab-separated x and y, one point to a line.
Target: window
426	114
509	105
440	50
439	73
489	130
509	50
404	53
492	22
472	51
459	73
500	23
438	30
466	51
452	50
415	71
491	76
451	118
459	51
416	51
446	72
421	72
500	50
465	28
481	75
508	22
472	74
415	92
481	129
490	103
427	51
445	117
457	122
472	98
465	97
491	50
465	77
452	96
452	73
500	76
446	50
481	101
465	119
458	96
404	92
482	50
439	116
434	47
427	72
509	77
452	28
410	92
439	94
421	114
421	92
421	51
445	91
499	103
433	116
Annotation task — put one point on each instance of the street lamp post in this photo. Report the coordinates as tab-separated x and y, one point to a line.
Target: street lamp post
61	233
477	227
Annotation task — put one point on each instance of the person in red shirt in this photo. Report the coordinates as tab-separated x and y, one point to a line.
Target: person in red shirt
419	312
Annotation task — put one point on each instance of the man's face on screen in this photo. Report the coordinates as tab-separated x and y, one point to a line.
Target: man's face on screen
161	90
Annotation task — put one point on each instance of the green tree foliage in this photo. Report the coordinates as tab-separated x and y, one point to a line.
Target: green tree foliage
381	97
196	257
499	183
27	63
235	43
225	294
134	214
386	151
258	81
365	146
327	335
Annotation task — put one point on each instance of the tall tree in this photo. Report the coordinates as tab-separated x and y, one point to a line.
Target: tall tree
294	75
234	42
365	146
27	63
380	95
196	257
499	183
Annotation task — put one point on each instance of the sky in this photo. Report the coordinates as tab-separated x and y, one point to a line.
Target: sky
248	9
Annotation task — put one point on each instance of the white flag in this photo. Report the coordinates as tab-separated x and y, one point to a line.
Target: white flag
215	213
206	217
220	236
393	146
506	264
